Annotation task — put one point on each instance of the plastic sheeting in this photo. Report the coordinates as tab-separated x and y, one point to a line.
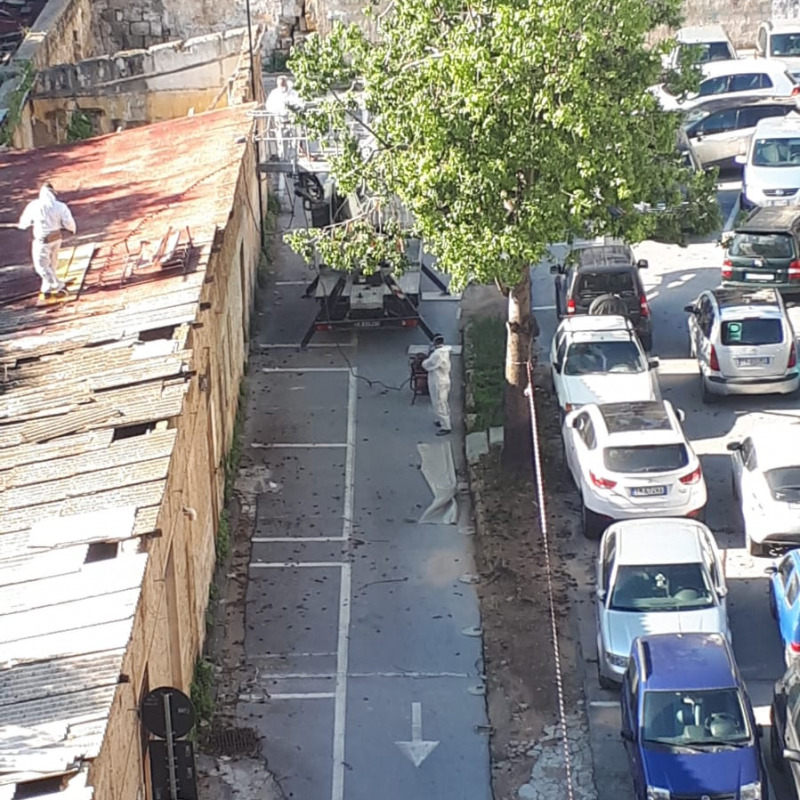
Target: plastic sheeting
439	470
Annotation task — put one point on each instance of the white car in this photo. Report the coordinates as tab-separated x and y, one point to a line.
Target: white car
771	175
766	482
711	42
655	576
599	359
780	39
752	77
632	460
743	341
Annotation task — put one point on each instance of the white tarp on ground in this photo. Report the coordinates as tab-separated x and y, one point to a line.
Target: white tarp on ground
439	470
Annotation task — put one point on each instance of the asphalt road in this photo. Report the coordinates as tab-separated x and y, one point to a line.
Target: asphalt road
675	277
364	641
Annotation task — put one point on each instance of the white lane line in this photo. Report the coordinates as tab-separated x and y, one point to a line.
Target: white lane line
285	676
543	308
257	656
305	369
291	283
345	592
270	539
297	445
293	564
604	703
303	696
310	345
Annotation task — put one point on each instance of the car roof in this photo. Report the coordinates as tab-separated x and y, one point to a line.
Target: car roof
742	66
599	255
686	661
739	101
648	415
768	219
737	297
698	34
784	26
658	541
596	323
772	125
777	445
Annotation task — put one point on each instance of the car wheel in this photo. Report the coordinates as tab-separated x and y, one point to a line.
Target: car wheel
605	683
775	754
755	548
592	526
707	397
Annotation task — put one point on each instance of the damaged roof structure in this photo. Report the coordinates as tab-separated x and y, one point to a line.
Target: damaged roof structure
92	388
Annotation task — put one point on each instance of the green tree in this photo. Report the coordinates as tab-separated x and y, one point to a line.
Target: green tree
503	125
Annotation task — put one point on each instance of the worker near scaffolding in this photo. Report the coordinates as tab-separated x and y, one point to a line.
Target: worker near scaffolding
48	216
281	101
437	365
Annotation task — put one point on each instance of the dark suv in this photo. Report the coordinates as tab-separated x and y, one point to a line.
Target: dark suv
765	250
596	270
785	730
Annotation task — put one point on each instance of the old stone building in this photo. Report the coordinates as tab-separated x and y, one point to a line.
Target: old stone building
117	410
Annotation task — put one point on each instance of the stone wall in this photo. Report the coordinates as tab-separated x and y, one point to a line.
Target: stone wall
139	87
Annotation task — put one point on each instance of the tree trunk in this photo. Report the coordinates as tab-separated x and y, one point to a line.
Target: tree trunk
516	417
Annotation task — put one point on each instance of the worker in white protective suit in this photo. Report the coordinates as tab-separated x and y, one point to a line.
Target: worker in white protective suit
48	216
437	365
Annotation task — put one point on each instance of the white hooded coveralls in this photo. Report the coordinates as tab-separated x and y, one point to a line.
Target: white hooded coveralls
48	216
438	366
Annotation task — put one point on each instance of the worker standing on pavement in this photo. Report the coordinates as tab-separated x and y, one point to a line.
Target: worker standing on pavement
437	365
48	216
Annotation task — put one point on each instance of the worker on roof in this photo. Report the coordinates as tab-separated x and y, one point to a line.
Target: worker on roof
437	365
48	216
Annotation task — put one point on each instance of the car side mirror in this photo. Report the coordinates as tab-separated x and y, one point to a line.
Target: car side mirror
653	363
722	591
573	423
733	447
770	570
642	263
689	309
557	269
557	367
740	158
792	755
627	736
681	414
601	594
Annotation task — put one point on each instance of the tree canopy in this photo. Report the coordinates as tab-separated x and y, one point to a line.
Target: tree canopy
503	125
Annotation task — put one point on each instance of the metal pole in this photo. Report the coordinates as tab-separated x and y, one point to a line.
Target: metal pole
173	781
252	65
254	98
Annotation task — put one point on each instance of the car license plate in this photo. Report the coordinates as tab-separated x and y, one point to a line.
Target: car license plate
754	361
648	491
367	323
783	202
759	276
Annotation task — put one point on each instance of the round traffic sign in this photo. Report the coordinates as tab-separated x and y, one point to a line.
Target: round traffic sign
154	712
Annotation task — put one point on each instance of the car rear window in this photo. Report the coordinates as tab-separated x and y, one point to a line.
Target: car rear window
784	483
752	331
597	283
761	245
646	458
585	358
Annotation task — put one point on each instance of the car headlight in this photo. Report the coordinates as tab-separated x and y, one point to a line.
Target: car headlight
654	793
751	791
616	661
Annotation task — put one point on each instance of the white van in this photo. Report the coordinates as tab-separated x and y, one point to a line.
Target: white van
711	40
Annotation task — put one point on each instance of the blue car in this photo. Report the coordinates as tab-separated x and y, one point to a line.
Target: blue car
784	602
687	722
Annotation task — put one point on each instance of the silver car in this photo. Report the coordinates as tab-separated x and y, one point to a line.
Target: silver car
655	576
743	342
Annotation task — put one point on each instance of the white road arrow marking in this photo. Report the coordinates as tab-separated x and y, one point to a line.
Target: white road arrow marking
417	750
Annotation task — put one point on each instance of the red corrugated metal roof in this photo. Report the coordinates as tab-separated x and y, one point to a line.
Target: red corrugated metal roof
124	188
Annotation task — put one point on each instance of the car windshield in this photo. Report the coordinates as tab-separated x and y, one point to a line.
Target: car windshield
712	51
661	587
587	358
777	152
711	717
784	483
646	458
761	245
752	331
786	44
596	283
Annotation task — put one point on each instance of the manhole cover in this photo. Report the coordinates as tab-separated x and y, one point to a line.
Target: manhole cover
234	741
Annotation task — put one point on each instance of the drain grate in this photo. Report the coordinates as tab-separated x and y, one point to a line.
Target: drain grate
233	742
